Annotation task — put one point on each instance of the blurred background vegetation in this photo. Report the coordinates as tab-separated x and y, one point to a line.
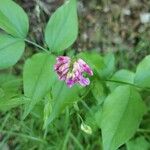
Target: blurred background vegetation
122	27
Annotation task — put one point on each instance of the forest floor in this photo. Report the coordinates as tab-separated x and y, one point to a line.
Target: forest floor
112	25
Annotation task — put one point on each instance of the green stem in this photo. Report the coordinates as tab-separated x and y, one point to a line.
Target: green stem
122	82
37	45
144	130
76	141
64	146
87	107
80	118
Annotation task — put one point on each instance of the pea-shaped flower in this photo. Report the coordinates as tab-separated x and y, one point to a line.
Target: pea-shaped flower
71	71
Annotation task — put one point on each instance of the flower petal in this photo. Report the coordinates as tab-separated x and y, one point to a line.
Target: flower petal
85	67
63	67
70	82
84	81
62	59
74	74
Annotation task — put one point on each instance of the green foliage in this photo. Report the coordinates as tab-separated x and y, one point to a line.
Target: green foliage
9	84
103	66
95	61
120	77
113	102
11	50
13	19
139	143
38	78
62	28
142	75
10	94
121	116
11	103
47	108
109	65
62	97
98	91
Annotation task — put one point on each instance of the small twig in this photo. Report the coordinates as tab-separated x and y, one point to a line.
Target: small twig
37	45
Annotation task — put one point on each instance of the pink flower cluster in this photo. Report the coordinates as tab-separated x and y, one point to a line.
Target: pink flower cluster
72	71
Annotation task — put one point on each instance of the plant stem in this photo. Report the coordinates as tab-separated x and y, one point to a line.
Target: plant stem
76	141
66	139
144	130
122	82
37	45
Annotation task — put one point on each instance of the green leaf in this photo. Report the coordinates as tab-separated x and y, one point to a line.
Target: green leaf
38	112
11	50
98	115
62	28
10	92
98	91
93	117
13	19
109	65
10	81
103	66
11	103
38	78
121	76
47	108
139	143
94	60
122	113
62	97
9	86
142	75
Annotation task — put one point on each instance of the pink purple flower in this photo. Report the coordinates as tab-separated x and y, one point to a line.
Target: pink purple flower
71	71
